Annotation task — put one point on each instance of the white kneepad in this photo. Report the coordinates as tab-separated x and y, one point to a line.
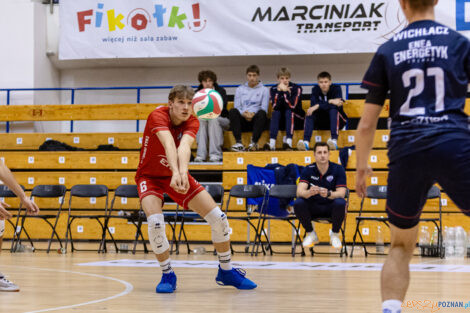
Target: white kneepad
219	225
157	235
2	227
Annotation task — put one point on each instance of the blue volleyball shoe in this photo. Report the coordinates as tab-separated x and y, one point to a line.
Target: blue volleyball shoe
234	277
167	284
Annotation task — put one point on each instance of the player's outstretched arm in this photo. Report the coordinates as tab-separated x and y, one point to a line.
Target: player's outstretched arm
7	177
364	142
168	143
184	155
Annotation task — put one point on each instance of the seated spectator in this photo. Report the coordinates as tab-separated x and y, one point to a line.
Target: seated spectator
328	98
287	104
250	109
211	132
320	193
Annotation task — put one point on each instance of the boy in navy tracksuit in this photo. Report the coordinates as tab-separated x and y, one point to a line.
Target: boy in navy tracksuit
326	97
286	101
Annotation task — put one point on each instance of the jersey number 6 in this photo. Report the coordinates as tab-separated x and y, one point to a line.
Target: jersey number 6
418	74
143	186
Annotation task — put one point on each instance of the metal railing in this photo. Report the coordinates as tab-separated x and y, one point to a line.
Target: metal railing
138	90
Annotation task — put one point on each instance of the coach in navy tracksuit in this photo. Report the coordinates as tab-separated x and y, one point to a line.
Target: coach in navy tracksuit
321	193
286	102
328	98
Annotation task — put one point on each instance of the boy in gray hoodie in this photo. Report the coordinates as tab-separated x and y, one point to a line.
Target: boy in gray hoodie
250	110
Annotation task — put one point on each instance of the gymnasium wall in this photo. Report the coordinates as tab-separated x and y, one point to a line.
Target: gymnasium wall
30	61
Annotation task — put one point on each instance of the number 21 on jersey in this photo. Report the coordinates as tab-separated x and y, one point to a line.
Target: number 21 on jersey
418	75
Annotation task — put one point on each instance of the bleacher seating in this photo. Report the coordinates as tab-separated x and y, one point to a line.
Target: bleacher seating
113	168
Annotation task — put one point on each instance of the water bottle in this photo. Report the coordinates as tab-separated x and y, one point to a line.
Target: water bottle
450	242
379	241
460	242
199	250
424	237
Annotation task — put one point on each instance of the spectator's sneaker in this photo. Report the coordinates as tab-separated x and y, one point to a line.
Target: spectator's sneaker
310	239
302	145
332	143
198	159
238	147
235	277
334	240
6	285
167	284
253	147
215	159
286	147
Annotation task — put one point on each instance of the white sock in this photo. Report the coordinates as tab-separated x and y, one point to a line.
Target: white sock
224	260
166	266
306	144
272	143
289	141
284	139
391	306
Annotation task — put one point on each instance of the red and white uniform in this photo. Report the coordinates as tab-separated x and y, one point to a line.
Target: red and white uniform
153	175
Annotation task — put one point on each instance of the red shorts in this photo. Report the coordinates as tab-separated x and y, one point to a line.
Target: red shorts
157	186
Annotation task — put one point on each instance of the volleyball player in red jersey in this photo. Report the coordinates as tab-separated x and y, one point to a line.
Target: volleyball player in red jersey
163	168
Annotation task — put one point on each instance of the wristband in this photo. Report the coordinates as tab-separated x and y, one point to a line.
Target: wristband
328	194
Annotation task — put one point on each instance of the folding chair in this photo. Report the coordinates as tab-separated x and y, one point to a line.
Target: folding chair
125	192
217	193
327	220
283	192
45	191
246	192
5	192
88	191
380	192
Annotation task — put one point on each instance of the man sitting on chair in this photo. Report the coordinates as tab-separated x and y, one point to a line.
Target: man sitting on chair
320	194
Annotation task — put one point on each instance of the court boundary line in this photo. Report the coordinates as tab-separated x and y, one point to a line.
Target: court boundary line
127	290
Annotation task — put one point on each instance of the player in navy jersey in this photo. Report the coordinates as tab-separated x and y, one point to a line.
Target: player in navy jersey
426	68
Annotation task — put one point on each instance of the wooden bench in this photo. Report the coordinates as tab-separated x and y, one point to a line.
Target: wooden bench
129	111
133	141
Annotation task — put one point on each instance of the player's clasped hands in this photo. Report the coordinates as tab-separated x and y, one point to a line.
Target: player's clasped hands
180	183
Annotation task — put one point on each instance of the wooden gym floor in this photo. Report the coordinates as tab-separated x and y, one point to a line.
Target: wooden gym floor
61	283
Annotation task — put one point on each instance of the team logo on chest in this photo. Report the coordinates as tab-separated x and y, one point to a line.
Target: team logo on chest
329	178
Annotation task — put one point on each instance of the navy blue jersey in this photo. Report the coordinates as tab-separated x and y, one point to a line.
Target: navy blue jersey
426	68
321	99
334	178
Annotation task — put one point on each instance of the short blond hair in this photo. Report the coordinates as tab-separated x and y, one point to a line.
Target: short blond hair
283	71
182	92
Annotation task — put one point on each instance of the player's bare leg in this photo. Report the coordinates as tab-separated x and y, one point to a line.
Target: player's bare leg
395	276
152	206
205	206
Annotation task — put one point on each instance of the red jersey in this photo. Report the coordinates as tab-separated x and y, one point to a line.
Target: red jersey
153	161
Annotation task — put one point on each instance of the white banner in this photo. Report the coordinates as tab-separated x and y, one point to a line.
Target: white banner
182	28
